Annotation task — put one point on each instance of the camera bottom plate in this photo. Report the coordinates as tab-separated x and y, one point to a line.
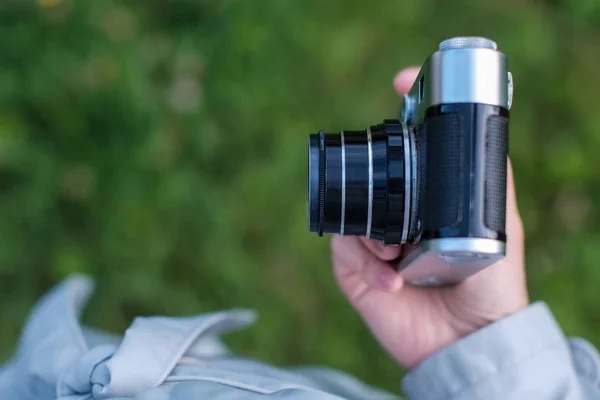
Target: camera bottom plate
441	262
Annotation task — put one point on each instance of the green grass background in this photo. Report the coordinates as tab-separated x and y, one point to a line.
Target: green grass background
160	146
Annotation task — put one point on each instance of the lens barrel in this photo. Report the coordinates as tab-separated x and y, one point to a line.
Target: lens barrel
359	183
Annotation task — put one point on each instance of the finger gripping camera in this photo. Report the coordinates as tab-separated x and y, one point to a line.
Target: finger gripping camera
434	180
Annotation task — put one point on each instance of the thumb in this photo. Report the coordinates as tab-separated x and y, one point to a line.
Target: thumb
404	79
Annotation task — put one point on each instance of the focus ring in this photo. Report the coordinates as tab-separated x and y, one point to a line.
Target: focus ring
322	166
396	183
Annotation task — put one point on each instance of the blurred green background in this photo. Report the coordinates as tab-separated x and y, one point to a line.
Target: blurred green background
160	146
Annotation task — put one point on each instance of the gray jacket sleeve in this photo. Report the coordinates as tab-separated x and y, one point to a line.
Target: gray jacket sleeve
523	356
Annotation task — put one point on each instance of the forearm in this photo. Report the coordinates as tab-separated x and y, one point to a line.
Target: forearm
523	356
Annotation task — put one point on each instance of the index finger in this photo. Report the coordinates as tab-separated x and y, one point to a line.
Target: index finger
380	250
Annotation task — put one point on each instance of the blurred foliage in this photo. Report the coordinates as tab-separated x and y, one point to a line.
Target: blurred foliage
160	146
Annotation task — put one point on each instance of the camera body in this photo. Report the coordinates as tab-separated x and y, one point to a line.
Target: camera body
433	181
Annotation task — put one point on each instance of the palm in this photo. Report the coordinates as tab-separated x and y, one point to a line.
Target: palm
410	324
414	323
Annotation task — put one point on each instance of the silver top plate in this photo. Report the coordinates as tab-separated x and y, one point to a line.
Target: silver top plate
465	70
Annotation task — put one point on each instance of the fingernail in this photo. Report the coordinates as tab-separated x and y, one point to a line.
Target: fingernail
390	280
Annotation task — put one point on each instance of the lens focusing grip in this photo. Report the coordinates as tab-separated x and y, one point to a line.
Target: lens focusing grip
314	172
322	194
396	183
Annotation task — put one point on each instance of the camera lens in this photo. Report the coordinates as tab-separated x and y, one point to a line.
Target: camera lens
358	181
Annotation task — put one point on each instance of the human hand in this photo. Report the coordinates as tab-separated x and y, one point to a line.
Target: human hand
413	323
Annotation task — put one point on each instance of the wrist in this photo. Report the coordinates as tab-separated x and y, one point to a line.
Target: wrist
470	311
460	321
490	360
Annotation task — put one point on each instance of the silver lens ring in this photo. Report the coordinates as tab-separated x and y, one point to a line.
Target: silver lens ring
343	216
414	177
407	183
370	195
